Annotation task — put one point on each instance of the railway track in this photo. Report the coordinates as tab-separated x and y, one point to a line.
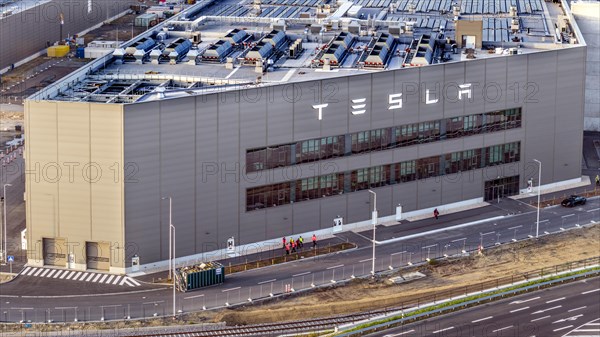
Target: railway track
272	329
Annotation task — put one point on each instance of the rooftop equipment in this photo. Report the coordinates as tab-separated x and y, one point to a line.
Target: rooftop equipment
217	51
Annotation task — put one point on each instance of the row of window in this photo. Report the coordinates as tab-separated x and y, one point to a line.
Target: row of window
377	176
380	139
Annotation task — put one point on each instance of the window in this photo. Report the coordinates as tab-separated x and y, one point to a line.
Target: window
454	127
513	118
495	155
377	176
360	142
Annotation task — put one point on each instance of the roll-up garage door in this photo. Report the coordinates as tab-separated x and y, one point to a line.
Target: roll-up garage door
54	251
97	255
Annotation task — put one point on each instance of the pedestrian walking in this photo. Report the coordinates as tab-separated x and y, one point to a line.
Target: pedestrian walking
597	180
436	213
300	242
294	246
314	240
283	242
287	248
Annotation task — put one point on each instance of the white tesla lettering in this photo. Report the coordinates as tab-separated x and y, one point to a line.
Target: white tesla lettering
395	101
430	101
359	107
464	89
320	108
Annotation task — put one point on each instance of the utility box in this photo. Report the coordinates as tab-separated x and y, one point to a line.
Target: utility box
146	20
58	51
199	276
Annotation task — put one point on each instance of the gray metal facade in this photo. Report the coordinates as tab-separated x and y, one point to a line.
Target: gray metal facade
193	148
28	32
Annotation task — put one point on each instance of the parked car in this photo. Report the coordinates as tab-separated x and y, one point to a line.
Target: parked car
573	201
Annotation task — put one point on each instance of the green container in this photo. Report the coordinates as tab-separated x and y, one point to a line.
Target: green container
196	277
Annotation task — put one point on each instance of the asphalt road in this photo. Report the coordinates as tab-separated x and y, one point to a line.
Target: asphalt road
572	309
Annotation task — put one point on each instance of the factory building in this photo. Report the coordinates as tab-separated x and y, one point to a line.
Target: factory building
256	133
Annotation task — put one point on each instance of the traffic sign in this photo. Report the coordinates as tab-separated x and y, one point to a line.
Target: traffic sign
10	258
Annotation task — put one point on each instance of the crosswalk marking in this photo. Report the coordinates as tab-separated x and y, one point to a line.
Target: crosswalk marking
75	275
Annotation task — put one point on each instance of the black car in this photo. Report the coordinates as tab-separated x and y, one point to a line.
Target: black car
573	201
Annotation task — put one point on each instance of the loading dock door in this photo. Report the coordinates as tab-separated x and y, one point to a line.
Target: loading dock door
97	255
54	251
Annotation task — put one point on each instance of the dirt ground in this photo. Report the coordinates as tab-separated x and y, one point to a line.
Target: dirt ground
499	262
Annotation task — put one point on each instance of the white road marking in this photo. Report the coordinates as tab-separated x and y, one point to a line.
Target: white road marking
589	291
524	308
301	274
450	328
592	210
540	311
116	280
458	239
97	277
564	327
102	279
365	260
38	272
26	270
572	318
109	279
568	215
132	280
578	308
123	281
190	297
90	277
539	319
506	327
267	281
60	273
70	275
32	271
400	334
482	319
230	289
45	272
523	301
556	300
333	267
51	273
515	227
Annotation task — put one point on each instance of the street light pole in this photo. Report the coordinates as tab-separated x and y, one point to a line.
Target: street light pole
171	227
4	248
374	221
537	227
170	238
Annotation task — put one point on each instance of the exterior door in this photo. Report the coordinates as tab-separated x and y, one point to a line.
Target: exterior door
500	188
97	255
54	252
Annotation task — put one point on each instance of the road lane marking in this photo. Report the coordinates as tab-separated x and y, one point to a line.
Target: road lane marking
488	233
76	277
461	239
230	289
539	319
123	281
129	282
564	327
482	319
195	296
45	272
523	301
589	291
267	281
515	227
397	253
592	210
51	273
31	272
102	279
541	221
556	300
70	275
365	260
97	277
572	318
568	215
26	270
540	311
109	279
578	308
89	277
116	280
333	267
60	273
301	274
438	331
506	327
400	334
430	246
38	272
524	308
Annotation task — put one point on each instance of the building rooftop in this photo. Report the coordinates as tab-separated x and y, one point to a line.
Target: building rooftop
229	44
